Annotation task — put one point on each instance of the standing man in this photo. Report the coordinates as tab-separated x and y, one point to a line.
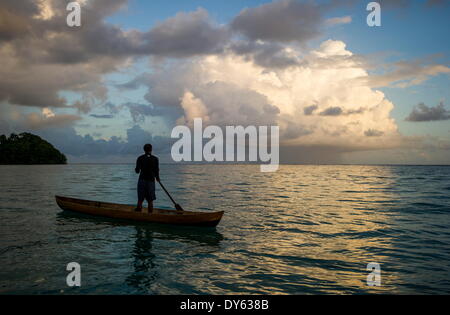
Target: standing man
147	166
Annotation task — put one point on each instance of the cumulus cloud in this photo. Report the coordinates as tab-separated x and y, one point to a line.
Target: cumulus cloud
193	107
48	113
423	112
232	89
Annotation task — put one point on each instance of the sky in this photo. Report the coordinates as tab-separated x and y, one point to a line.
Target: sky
340	91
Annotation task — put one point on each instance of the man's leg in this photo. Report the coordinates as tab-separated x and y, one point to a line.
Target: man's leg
151	195
150	206
139	205
141	196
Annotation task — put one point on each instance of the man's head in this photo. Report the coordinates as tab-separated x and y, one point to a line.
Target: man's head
148	148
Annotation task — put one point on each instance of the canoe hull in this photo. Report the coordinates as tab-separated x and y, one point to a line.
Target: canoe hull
126	212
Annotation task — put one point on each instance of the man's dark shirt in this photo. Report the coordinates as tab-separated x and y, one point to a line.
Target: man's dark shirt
148	167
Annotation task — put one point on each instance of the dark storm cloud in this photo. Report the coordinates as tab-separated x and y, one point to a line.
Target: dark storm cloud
332	111
373	133
54	42
338	111
423	112
102	116
22	83
284	21
355	111
42	57
309	110
12	25
139	111
185	34
268	55
267	29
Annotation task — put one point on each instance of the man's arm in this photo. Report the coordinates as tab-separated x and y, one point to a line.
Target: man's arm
138	166
157	169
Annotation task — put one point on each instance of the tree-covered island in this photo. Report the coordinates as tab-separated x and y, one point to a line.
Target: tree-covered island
27	148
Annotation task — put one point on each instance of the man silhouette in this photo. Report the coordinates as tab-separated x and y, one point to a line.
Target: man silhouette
147	166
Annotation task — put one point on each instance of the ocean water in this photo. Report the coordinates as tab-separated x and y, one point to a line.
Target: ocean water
301	230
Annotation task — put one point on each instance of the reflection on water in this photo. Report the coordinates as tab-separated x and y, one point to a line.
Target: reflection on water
144	266
205	236
303	229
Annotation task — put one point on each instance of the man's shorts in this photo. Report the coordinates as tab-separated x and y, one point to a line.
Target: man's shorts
146	190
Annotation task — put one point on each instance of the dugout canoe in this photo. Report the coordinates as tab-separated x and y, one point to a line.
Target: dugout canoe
126	212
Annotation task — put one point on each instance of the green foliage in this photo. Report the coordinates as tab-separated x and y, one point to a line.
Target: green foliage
27	148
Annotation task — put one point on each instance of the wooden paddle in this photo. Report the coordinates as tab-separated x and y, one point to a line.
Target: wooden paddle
177	206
